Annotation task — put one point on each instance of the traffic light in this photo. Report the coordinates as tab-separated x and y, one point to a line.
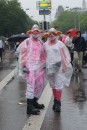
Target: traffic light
41	25
48	25
45	25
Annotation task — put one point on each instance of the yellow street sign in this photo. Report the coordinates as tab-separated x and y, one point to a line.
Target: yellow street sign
44	5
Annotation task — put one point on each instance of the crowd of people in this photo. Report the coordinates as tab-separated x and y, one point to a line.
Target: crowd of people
51	60
77	47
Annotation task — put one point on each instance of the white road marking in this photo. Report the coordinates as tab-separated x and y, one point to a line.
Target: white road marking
35	121
4	82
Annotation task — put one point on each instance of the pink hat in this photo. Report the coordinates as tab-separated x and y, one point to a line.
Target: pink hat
34	28
52	31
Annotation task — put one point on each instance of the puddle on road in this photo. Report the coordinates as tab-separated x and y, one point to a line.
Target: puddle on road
22	102
78	87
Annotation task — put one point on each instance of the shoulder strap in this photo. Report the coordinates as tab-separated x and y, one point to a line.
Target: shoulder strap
29	49
27	41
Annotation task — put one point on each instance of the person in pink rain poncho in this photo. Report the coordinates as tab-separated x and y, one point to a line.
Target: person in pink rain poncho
32	59
58	67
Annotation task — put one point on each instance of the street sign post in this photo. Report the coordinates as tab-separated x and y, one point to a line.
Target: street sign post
44	12
44	7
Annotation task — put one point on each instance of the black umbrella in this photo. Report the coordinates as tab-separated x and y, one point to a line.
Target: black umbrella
17	38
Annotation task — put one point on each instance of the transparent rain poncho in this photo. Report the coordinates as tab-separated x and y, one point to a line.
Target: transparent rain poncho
31	64
58	58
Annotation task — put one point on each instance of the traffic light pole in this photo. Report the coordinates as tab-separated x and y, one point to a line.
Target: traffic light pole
44	15
44	23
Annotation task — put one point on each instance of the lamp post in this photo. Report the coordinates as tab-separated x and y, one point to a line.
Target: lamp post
50	16
76	18
28	10
75	21
79	26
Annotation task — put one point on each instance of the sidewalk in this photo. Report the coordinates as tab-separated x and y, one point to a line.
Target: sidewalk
7	66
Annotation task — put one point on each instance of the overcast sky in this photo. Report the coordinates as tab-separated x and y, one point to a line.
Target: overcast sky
31	4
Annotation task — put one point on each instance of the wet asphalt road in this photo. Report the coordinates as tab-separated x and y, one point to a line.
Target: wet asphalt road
73	114
12	115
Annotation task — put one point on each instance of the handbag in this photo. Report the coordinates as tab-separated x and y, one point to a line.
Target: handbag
53	68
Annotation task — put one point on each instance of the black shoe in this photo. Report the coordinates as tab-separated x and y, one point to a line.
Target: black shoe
31	109
57	105
37	105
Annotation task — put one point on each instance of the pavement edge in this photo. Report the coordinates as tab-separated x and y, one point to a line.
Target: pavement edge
5	81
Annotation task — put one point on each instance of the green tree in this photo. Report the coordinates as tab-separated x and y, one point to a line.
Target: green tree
71	19
13	19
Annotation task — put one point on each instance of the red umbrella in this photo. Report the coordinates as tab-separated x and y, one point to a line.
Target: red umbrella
73	31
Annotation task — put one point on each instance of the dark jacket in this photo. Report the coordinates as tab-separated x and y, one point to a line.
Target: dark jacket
79	43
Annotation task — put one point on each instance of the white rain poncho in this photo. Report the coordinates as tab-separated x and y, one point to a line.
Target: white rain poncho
31	64
58	54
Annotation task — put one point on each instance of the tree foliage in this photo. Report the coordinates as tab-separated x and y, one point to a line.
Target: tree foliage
13	19
71	19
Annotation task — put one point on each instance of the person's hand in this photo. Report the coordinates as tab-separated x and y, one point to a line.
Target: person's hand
64	69
44	66
69	45
3	49
25	70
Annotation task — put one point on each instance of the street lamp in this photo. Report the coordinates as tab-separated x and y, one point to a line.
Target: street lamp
75	21
50	16
79	21
76	17
27	9
67	7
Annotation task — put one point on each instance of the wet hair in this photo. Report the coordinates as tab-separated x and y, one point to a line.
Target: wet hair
68	33
78	32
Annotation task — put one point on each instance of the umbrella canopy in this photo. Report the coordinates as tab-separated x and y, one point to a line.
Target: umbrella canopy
73	31
85	36
17	37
